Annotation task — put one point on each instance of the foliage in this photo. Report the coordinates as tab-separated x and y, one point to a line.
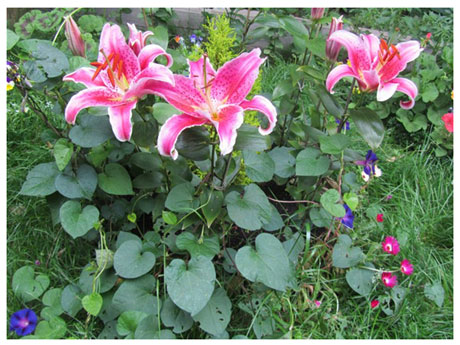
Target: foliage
220	41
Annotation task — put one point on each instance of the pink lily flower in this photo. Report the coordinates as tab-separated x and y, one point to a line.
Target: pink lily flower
376	66
74	39
390	245
332	47
217	98
120	79
317	13
389	280
137	39
406	267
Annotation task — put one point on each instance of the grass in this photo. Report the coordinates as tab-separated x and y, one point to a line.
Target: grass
420	215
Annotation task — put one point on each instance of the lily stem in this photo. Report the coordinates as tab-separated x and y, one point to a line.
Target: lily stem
345	116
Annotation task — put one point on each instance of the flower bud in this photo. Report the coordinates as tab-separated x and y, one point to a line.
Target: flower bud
72	32
317	13
332	47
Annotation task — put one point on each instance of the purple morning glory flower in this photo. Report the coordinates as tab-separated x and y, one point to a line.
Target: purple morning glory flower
23	322
193	38
347	124
370	166
347	220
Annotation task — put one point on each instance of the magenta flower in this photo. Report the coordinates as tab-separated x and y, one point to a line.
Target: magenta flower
379	218
389	280
74	39
217	98
406	267
317	303
137	39
120	79
376	66
23	322
375	303
448	120
390	245
317	13
332	47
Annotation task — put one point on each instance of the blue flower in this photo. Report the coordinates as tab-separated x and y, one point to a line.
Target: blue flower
193	38
23	322
347	220
370	166
347	124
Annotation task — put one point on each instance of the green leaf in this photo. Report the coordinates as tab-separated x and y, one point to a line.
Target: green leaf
169	217
429	92
52	301
344	255
144	133
115	180
317	46
11	39
92	303
81	185
294	246
208	247
215	316
369	126
284	87
146	160
249	211
360	280
71	299
128	322
275	222
63	150
190	287
329	102
137	294
249	138
293	26
193	143
329	201
334	144
435	292
267	264
163	111
75	221
213	207
131	261
92	131
180	198
40	180
310	162
27	286
104	258
55	328
259	165
284	161
52	60
104	282
160	36
148	329
320	217
148	180
351	199
172	316
91	23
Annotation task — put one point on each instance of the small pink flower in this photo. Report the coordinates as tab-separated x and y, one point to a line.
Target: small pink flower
380	217
317	303
389	197
406	267
389	280
333	48
449	122
375	303
390	245
428	36
74	39
37	262
317	13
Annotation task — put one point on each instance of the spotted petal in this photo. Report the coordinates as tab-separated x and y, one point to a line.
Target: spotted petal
150	52
84	76
409	88
264	106
230	119
408	51
338	73
120	119
196	72
142	83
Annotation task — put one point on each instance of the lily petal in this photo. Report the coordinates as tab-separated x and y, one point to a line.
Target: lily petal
372	45
137	38
359	58
171	129
408	51
234	80
386	91
196	72
264	106
120	119
231	118
84	76
150	52
338	73
142	83
409	88
94	97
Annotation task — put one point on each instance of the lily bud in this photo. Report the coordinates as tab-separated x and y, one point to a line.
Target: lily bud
317	13
333	47
72	32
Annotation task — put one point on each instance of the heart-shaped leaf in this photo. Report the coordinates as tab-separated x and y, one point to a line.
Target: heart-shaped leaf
180	198
148	329
360	280
190	287
75	221
284	161
172	316
40	180
92	303
334	144
92	131
369	126
130	261
207	247
128	322
310	162
27	286
55	328
213	206
249	211
267	264
115	180
52	300
81	185
215	316
344	255
71	299
320	217
259	165
63	150
329	201
435	292
351	199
